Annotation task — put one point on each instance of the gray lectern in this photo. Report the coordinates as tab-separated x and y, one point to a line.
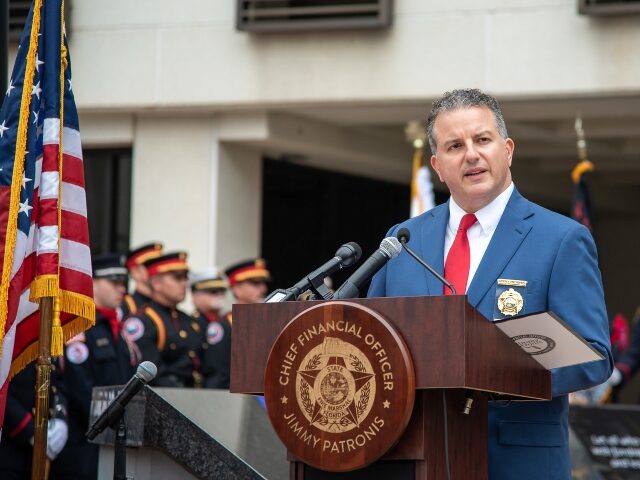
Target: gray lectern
188	434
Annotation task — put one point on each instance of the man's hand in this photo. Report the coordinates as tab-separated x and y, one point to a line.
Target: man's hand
57	434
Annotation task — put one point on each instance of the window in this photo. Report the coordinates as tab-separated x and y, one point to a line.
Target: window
299	15
608	7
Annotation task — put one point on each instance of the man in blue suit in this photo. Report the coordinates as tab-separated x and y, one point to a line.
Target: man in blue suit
509	246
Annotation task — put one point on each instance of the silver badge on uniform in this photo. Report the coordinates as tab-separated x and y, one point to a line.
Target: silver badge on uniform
510	295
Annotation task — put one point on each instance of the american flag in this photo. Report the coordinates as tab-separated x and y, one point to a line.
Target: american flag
44	238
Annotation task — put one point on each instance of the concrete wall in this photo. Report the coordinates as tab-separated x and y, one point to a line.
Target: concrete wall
148	53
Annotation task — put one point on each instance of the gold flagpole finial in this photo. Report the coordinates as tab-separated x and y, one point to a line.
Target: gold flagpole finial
415	134
584	165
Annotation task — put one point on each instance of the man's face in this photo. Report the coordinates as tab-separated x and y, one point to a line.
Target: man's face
169	288
471	158
250	291
139	274
108	293
208	301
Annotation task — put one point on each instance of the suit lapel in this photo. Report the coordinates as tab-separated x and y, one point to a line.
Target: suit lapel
433	232
511	231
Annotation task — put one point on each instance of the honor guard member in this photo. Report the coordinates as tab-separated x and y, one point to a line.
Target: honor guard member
138	272
101	356
248	281
16	447
208	290
165	335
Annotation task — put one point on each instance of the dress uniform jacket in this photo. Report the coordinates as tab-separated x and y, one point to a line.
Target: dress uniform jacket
133	303
16	450
92	359
172	340
557	258
216	353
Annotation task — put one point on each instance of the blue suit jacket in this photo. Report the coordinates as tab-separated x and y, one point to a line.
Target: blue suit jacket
558	259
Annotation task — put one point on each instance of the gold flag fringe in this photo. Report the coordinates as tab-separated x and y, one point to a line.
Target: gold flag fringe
44	286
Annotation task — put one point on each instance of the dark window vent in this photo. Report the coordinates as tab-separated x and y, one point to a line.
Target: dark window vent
306	15
609	7
18	13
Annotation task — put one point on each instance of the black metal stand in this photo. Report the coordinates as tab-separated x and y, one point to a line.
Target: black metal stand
120	453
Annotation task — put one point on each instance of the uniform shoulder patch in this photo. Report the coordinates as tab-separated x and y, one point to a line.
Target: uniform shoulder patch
133	328
215	333
81	337
77	352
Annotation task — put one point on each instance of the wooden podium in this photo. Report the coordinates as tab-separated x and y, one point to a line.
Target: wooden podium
454	350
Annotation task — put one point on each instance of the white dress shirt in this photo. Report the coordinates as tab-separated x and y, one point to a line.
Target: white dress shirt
480	233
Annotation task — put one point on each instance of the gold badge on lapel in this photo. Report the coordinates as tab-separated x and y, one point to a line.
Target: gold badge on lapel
510	295
510	302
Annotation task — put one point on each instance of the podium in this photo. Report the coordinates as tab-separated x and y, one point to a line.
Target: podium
455	352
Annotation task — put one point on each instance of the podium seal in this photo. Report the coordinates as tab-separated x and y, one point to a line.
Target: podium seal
339	386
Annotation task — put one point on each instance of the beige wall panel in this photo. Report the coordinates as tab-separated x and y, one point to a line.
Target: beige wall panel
119	14
559	52
171	184
156	54
239	204
113	69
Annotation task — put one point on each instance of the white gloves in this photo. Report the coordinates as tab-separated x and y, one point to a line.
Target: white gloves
616	378
57	434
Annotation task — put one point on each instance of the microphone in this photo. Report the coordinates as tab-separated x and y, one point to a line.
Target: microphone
146	372
389	248
347	255
404	235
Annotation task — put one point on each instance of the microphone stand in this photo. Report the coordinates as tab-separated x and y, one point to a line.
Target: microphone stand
120	452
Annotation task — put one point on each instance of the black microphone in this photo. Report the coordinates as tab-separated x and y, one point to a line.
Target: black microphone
347	255
389	248
404	236
146	372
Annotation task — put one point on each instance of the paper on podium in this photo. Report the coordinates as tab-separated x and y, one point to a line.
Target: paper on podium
549	340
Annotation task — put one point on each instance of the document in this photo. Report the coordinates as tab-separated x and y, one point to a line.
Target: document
549	340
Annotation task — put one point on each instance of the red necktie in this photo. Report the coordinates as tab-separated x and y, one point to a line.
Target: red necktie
456	268
112	317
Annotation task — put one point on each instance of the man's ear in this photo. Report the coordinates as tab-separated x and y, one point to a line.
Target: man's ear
510	147
434	165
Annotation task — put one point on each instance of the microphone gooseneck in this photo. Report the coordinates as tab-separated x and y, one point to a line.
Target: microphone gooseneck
404	236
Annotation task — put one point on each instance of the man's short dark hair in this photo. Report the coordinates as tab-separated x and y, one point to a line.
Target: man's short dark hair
464	98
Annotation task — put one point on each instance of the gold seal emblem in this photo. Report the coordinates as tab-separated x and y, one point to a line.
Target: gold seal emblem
336	386
510	302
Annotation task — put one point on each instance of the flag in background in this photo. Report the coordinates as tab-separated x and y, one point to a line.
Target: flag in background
581	207
422	197
44	235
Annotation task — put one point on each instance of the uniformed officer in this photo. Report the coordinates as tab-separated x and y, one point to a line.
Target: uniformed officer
100	356
16	447
208	289
138	272
248	280
165	335
248	283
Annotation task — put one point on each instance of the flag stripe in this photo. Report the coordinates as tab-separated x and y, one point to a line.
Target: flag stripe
44	236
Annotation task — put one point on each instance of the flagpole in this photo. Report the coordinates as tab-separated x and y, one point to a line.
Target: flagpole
40	462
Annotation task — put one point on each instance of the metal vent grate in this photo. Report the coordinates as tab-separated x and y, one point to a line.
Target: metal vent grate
608	7
18	13
305	15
